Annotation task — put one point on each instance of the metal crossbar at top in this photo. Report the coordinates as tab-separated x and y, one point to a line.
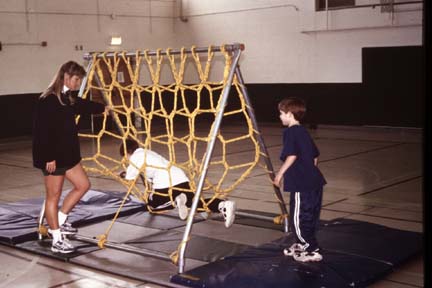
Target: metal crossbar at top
227	47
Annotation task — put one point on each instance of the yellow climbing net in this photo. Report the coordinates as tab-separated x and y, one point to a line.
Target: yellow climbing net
153	103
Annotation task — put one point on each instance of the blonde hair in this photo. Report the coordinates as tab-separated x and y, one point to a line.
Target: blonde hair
55	87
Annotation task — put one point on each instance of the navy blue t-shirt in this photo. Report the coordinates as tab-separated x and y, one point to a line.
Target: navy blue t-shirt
302	175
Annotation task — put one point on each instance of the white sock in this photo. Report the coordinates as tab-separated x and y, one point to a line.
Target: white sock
62	217
56	235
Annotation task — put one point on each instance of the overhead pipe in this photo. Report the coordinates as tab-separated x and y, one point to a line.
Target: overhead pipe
181	16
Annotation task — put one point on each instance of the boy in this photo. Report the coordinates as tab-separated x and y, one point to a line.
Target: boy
302	179
163	178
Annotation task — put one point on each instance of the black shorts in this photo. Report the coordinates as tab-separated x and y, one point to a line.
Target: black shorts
58	172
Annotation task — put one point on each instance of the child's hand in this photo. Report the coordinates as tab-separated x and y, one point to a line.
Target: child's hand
277	180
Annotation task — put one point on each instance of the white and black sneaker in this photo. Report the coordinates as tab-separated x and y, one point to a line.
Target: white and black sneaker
67	229
296	247
306	256
63	247
181	206
227	209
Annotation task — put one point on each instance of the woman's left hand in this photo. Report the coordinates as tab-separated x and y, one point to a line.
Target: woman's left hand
50	166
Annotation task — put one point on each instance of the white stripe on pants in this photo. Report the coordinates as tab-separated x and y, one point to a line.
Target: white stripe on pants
297	220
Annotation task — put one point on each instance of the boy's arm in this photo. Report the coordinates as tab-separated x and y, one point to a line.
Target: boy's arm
287	163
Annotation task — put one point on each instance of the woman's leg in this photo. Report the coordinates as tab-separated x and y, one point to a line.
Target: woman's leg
53	187
81	184
54	184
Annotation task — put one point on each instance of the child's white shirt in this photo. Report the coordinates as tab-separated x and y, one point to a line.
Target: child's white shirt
156	171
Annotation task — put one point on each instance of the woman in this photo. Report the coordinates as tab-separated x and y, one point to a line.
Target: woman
56	148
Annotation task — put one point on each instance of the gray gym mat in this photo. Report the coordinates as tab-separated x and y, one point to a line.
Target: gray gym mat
198	248
120	232
242	234
257	222
43	247
155	221
134	266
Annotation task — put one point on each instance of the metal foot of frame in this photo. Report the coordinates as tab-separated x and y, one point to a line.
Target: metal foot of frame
41	228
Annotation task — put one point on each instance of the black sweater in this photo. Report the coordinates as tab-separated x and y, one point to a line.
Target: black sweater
55	134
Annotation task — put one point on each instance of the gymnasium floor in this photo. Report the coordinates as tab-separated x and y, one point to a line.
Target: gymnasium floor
374	174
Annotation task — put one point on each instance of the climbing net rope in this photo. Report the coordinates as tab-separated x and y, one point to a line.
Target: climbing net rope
153	104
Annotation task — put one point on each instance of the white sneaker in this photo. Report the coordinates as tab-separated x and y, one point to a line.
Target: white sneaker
296	247
65	229
67	242
227	209
62	247
306	256
181	205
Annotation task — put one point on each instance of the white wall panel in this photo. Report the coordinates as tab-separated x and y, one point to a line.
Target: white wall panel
285	45
66	24
286	41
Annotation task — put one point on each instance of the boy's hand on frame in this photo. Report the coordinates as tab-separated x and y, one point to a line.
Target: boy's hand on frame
277	180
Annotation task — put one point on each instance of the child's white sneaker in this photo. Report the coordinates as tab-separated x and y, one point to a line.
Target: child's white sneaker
181	206
296	247
306	256
227	209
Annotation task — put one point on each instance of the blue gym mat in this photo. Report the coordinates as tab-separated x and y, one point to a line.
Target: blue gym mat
355	255
19	220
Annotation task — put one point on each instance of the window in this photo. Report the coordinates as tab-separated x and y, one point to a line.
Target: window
321	4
